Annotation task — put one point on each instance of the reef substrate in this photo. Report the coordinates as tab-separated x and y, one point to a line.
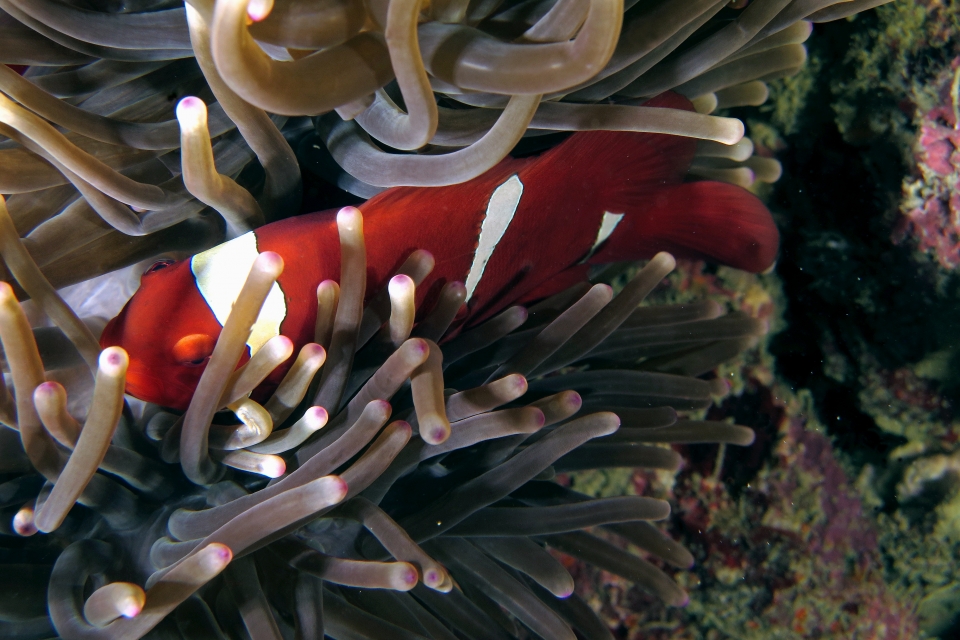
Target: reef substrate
148	127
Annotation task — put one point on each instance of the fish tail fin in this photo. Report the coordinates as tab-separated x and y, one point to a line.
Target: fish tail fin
639	182
711	221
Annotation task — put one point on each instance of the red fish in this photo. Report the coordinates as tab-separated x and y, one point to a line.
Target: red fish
526	229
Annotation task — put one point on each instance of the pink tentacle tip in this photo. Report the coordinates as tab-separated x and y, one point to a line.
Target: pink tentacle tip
47	389
271	261
409	577
112	357
131	608
318	416
273	466
720	387
425	255
400	281
566	593
574	400
540	418
338	488
402	425
519	383
113	360
23	523
382	407
419	347
667	259
438	434
313	350
432	578
191	109
220	552
258	10
349	218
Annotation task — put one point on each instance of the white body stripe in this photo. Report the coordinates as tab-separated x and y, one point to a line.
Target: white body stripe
500	211
220	273
607	226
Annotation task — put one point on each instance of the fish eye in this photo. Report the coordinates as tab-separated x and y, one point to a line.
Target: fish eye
194	349
158	265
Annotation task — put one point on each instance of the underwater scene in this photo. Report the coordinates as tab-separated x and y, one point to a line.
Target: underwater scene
480	319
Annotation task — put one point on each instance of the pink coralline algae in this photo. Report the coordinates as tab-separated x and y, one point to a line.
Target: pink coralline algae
931	204
795	555
838	589
782	543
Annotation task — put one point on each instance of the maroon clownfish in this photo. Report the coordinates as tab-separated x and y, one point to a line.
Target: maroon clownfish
526	229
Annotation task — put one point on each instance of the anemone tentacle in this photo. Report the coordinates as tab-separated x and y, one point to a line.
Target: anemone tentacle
467	508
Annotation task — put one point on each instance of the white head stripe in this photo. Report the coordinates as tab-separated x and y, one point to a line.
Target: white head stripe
220	273
500	210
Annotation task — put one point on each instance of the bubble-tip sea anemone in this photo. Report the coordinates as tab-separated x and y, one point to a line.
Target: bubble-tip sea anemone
453	521
338	521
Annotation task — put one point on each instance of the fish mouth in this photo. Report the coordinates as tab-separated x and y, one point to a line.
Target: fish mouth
165	388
